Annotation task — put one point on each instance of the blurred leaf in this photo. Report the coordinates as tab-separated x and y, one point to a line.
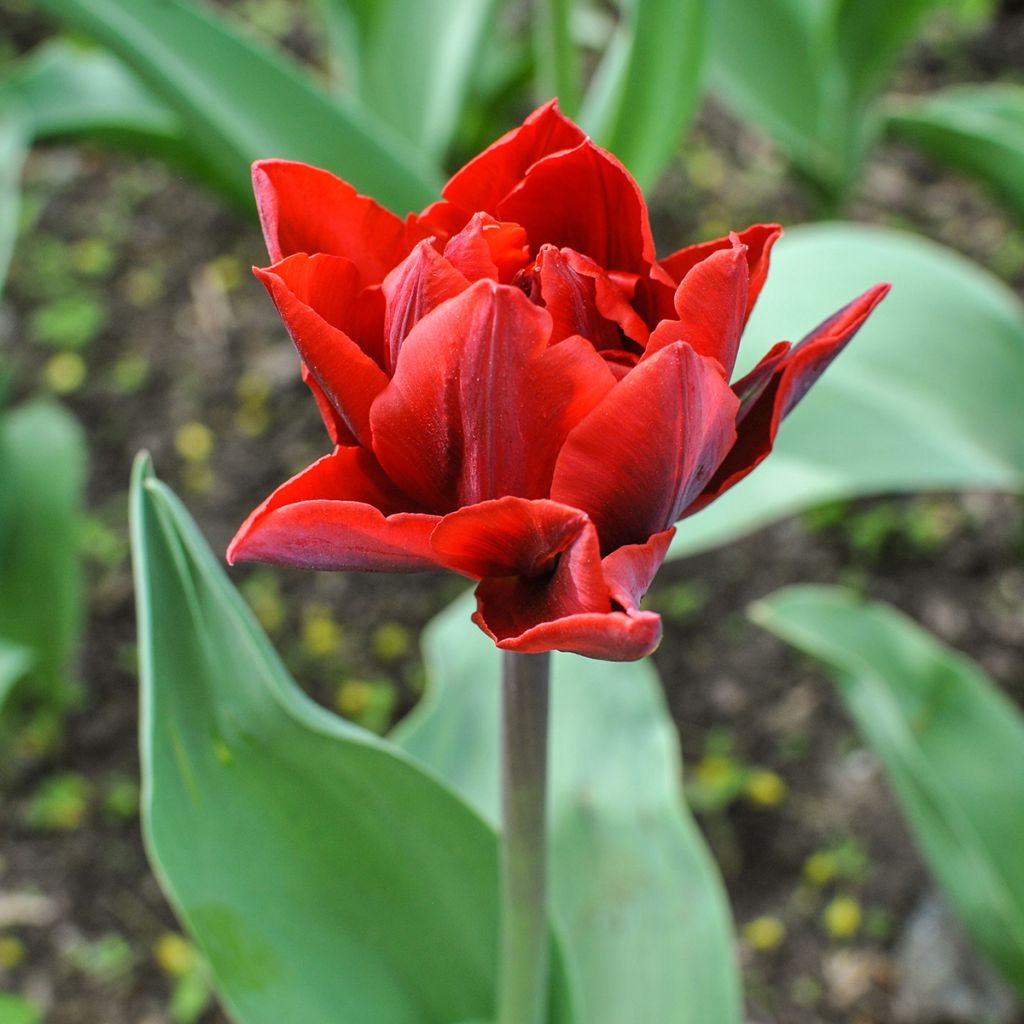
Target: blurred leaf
974	128
557	61
323	875
646	88
42	452
239	101
15	661
637	900
926	397
951	743
14	141
15	1010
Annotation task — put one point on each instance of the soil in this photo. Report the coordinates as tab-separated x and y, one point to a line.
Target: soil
190	356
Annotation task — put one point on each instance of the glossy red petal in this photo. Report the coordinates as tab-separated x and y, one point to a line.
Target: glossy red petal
758	239
487	179
790	375
348	377
711	303
571	300
341	513
422	281
629	570
650	447
569	610
486	247
337	429
584	199
450	428
304	209
506	537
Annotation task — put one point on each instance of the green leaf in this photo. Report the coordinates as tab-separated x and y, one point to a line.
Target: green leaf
324	876
558	66
14	141
42	452
240	101
646	88
15	1010
15	661
926	397
951	743
974	128
637	901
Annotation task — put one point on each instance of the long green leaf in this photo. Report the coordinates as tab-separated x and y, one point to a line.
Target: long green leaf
975	128
645	90
240	101
15	662
926	397
951	743
558	66
42	452
14	142
639	905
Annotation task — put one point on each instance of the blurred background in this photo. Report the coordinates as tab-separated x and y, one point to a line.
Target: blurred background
129	320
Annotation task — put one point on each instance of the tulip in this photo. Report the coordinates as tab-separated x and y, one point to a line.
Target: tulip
516	388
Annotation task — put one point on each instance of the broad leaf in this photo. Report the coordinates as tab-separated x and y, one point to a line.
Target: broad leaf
639	905
951	743
926	397
645	90
14	141
15	661
42	452
324	875
975	128
239	101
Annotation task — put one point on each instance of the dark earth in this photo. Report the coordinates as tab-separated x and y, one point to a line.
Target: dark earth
185	357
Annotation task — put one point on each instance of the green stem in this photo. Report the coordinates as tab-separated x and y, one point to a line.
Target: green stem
525	954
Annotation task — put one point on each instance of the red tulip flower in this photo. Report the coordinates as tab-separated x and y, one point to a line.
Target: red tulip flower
516	388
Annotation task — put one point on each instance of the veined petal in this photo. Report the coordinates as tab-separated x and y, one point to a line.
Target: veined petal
711	303
568	610
449	428
305	209
488	178
650	447
341	513
506	537
774	387
584	199
758	239
419	283
347	376
489	248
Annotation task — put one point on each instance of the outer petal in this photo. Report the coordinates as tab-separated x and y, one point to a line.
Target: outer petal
629	570
711	303
758	239
774	387
649	448
486	247
346	375
569	610
419	283
487	179
304	209
584	199
341	513
506	537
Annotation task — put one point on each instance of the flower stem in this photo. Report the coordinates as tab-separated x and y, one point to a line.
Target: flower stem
523	975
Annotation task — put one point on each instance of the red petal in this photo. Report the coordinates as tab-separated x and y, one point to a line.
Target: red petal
335	515
336	427
711	306
584	199
758	239
790	375
419	283
570	610
449	427
487	179
629	570
304	209
650	447
489	248
348	377
506	537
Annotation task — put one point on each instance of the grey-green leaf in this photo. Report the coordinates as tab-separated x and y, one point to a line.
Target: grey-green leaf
240	101
951	742
14	141
324	875
974	128
639	905
926	396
